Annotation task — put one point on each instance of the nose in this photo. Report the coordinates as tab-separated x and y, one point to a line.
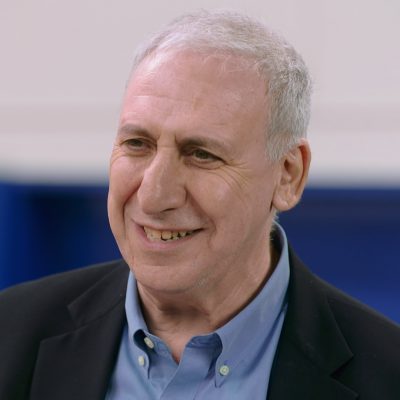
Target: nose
162	187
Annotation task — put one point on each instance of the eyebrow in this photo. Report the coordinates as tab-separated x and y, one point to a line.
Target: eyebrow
195	140
133	128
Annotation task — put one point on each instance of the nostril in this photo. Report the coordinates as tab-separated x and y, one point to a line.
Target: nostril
157	198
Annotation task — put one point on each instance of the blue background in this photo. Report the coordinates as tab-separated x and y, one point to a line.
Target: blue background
350	237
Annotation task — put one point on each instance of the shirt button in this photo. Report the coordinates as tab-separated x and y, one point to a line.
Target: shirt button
141	361
224	370
149	342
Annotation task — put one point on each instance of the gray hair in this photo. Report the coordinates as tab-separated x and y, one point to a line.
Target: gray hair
288	83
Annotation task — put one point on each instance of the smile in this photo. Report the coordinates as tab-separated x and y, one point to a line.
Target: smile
165	235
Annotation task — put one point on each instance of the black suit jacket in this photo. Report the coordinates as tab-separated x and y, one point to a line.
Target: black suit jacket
59	338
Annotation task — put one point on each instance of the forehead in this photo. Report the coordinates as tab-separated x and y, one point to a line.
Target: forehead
210	89
200	73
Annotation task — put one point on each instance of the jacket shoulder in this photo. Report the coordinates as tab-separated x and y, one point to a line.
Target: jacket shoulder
41	305
373	341
54	290
33	311
359	322
370	334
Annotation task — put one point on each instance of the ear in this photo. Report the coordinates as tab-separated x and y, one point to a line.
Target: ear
293	168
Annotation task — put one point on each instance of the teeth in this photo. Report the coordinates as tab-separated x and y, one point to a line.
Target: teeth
154	234
166	235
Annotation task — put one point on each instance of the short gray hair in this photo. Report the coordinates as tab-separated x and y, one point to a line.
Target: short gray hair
288	82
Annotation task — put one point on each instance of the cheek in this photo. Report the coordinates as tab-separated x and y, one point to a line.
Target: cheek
124	181
221	201
233	205
227	190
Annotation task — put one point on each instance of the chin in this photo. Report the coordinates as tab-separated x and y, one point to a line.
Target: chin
162	279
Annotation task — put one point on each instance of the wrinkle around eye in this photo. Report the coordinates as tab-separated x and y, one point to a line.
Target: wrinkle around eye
212	163
235	178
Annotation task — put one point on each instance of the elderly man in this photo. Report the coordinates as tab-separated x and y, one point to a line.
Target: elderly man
214	305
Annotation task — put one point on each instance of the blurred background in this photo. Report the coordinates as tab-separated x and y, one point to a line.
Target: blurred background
62	74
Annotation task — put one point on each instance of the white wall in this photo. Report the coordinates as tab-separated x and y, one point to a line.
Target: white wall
64	64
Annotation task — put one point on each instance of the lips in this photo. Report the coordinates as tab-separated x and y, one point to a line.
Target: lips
165	235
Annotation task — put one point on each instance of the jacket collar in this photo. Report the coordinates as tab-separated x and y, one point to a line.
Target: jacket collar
311	347
78	363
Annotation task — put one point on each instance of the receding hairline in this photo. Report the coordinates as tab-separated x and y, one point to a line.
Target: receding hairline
243	62
280	66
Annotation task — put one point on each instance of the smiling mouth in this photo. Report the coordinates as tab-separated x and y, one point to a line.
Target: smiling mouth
166	236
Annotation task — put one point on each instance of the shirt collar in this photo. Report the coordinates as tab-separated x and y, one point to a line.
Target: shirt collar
133	311
240	336
244	335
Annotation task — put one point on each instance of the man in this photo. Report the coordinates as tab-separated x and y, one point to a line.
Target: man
210	147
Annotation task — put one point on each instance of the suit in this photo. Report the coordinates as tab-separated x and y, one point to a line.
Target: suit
63	334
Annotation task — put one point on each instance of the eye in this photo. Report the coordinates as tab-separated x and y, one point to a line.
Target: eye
203	155
137	146
135	143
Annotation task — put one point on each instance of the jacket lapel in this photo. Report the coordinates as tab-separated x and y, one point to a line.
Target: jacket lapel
78	364
311	347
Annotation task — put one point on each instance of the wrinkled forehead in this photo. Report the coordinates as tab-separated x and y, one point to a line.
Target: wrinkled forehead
219	64
205	75
203	90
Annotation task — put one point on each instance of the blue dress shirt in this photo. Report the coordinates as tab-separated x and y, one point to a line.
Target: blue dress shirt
234	362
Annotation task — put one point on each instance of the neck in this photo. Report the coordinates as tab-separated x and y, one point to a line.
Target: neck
177	317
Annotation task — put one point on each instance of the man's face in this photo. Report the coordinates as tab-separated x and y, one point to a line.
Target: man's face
191	188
